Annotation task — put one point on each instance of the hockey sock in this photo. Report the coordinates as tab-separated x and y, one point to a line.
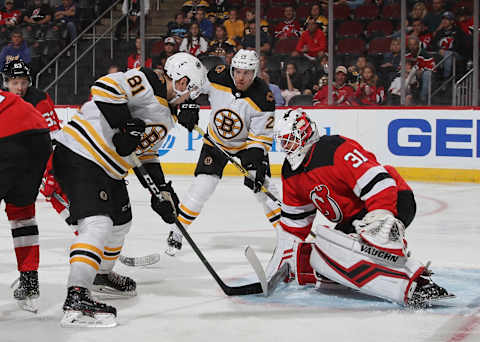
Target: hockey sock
86	251
113	247
25	236
198	194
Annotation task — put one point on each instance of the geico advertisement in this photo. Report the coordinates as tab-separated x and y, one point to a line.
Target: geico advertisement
402	137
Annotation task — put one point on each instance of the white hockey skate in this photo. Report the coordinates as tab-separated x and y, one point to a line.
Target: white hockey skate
80	310
174	243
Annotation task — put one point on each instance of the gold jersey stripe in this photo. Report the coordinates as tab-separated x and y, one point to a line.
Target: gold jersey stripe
252	104
215	137
162	101
181	219
91	150
188	211
86	246
85	261
102	143
260	137
221	87
110	81
115	249
265	146
97	92
147	157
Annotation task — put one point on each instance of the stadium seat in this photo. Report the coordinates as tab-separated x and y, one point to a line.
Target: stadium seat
379	45
341	12
280	3
379	28
351	46
274	63
391	12
157	47
251	3
366	12
302	13
467	4
285	46
275	14
211	62
301	100
236	3
350	28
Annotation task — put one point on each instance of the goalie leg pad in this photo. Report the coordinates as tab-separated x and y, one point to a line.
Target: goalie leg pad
305	273
346	259
285	252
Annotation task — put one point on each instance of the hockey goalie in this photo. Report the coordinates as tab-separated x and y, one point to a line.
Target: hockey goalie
370	205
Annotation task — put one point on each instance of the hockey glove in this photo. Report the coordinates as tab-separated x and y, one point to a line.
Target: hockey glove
166	208
254	159
188	115
127	140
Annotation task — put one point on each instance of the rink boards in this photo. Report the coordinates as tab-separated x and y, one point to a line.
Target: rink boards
428	144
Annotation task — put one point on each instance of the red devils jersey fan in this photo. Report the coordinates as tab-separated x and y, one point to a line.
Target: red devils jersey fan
17	80
369	205
24	150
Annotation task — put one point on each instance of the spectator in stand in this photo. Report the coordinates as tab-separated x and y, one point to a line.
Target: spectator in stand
391	61
342	93
290	82
36	20
419	30
66	16
277	93
134	59
465	21
424	63
370	90
218	11
433	18
191	6
289	27
131	8
221	40
449	40
312	42
250	18
169	49
355	71
411	84
10	17
194	43
318	14
234	26
206	26
17	49
419	11
248	41
178	29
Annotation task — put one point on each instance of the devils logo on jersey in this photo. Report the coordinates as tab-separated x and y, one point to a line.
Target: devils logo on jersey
446	43
320	196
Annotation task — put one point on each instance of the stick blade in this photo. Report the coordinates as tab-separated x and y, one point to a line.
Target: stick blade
257	267
140	261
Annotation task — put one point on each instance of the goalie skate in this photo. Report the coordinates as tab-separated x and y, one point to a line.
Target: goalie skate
80	310
27	292
427	294
174	243
113	285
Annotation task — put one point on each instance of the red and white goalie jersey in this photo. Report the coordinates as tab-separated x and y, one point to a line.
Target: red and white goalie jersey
342	180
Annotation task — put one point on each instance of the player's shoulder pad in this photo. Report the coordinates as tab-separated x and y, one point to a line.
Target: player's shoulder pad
220	75
261	95
34	96
158	83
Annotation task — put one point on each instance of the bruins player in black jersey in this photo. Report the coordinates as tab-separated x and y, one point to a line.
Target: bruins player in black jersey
241	121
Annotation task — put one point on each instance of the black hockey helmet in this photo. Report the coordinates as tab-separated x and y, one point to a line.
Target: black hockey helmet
16	68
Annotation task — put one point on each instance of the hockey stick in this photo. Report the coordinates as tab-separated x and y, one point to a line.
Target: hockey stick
253	288
236	164
145	260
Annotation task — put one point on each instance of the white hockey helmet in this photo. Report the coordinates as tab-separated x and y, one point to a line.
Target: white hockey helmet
296	133
246	60
182	65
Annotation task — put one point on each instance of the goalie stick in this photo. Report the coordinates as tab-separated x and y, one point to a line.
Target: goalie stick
145	260
253	288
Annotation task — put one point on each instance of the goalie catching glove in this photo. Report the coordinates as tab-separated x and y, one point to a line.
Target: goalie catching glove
253	159
382	230
188	115
127	140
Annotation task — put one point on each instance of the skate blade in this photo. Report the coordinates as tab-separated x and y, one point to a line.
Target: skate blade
76	319
106	292
28	304
171	251
441	301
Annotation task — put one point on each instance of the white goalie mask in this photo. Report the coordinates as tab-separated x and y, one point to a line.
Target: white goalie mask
296	133
246	60
182	65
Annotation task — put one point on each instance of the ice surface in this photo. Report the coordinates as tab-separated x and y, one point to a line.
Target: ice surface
179	301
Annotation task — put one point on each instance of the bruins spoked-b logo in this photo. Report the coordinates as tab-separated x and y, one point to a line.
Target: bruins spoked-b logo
228	123
151	137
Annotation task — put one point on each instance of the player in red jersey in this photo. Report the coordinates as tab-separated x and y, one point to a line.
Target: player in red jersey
24	150
17	80
370	205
